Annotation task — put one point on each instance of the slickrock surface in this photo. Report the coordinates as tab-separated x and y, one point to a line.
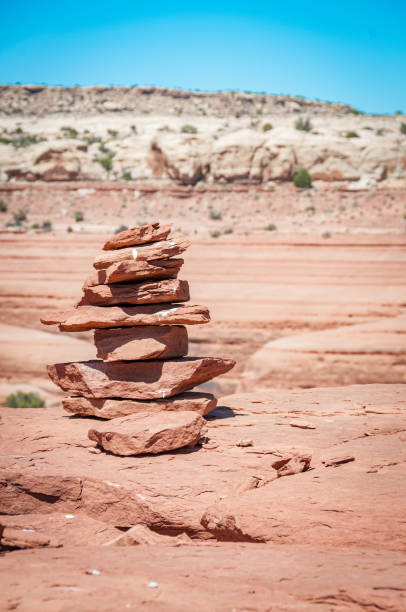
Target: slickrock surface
136	380
142	433
143	252
138	235
142	342
202	403
138	293
366	353
333	536
96	317
134	271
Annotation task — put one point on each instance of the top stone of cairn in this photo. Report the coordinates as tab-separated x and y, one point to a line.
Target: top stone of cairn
138	235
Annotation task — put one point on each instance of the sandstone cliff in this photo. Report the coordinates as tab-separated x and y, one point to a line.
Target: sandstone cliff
130	134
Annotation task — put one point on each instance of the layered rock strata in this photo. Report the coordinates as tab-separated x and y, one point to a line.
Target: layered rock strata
143	377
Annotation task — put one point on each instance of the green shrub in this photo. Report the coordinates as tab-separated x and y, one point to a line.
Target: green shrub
215	214
35	226
69	132
303	124
79	216
271	227
24	400
3	206
127	176
107	161
26	140
47	226
403	128
69	229
188	129
19	217
4	140
266	127
352	135
215	234
92	139
122	228
302	179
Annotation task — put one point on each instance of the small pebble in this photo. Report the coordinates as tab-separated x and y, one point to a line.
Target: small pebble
245	443
153	585
69	516
94	450
93	572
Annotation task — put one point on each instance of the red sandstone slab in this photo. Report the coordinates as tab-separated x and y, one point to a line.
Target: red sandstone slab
137	379
128	270
149	292
138	235
202	403
140	434
98	317
142	342
143	252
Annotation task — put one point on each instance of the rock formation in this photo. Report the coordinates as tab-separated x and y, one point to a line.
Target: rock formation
143	378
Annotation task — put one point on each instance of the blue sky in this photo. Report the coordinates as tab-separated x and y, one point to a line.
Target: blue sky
353	52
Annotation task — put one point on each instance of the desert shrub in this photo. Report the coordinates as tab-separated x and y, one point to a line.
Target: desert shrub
351	135
238	114
26	140
380	132
254	124
106	161
46	226
24	400
19	217
326	235
266	127
403	128
271	227
215	234
122	228
69	132
188	129
228	230
92	139
134	129
303	124
3	206
69	229
112	133
5	140
127	176
302	179
215	214
310	209
79	216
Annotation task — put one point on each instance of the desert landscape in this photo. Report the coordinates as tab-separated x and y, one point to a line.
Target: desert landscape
292	496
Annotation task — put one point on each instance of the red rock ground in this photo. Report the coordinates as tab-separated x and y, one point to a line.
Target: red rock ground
296	498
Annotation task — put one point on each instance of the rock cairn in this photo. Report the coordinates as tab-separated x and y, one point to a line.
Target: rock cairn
142	379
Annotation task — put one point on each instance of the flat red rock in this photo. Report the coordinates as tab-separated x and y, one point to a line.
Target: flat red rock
137	379
202	403
129	270
149	292
148	433
142	342
98	317
143	252
138	235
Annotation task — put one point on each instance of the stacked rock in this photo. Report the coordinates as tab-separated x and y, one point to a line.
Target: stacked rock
135	304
